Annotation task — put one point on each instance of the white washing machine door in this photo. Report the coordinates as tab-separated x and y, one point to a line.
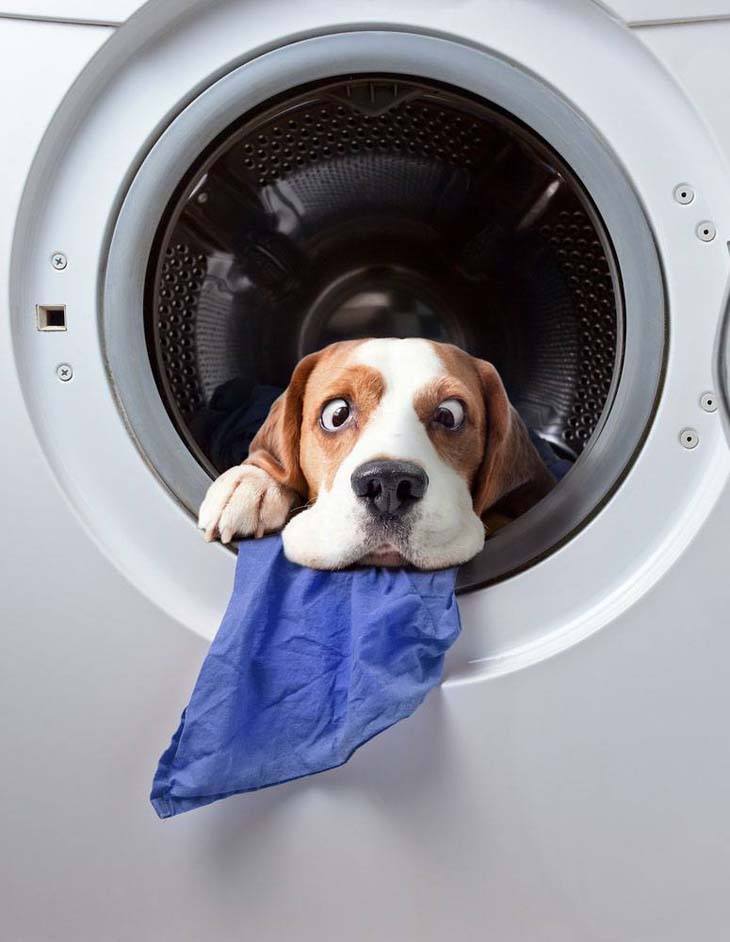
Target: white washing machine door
568	781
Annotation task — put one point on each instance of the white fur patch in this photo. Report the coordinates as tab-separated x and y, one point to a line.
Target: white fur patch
337	530
243	501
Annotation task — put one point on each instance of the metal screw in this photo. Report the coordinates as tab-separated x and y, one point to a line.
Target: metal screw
64	371
708	401
689	438
683	193
706	231
59	261
202	197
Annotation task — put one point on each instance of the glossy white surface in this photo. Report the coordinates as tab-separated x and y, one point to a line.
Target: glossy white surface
657	11
117	11
695	55
582	798
112	12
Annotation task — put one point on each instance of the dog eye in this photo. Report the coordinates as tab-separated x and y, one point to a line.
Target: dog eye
335	414
450	414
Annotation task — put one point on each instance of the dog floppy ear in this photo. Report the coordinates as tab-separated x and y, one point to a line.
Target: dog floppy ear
512	474
275	447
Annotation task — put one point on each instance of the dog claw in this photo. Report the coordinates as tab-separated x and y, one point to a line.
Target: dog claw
243	501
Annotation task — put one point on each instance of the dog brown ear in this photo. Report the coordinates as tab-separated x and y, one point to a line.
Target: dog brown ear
512	474
275	447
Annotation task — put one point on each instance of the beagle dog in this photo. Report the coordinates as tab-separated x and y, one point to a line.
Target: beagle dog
391	450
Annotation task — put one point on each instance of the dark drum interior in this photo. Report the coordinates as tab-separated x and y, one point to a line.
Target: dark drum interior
380	206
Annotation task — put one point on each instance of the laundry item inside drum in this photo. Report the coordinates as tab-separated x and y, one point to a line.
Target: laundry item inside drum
374	206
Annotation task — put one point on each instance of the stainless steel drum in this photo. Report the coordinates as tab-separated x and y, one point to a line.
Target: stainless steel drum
374	206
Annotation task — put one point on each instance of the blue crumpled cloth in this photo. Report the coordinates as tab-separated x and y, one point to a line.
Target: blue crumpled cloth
306	667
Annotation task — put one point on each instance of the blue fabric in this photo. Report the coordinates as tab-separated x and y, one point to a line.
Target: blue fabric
306	667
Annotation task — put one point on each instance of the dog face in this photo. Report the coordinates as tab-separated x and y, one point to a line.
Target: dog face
397	446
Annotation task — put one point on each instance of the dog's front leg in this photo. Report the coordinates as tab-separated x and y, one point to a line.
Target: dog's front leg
244	501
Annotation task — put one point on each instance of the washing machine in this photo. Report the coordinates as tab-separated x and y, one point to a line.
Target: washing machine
194	196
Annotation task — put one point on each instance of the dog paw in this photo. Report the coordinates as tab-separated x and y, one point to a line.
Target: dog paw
244	501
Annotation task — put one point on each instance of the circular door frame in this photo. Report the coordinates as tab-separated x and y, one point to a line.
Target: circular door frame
577	143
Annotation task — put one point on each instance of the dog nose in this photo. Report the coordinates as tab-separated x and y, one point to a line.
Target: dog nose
389	488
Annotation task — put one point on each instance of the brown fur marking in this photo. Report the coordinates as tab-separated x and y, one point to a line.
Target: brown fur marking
291	445
461	448
510	472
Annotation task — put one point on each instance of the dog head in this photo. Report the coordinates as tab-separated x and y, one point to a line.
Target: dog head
399	447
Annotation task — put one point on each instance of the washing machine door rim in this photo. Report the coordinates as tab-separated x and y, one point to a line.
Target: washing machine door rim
608	456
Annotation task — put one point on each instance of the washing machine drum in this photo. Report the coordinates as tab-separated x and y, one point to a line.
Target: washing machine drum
370	207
